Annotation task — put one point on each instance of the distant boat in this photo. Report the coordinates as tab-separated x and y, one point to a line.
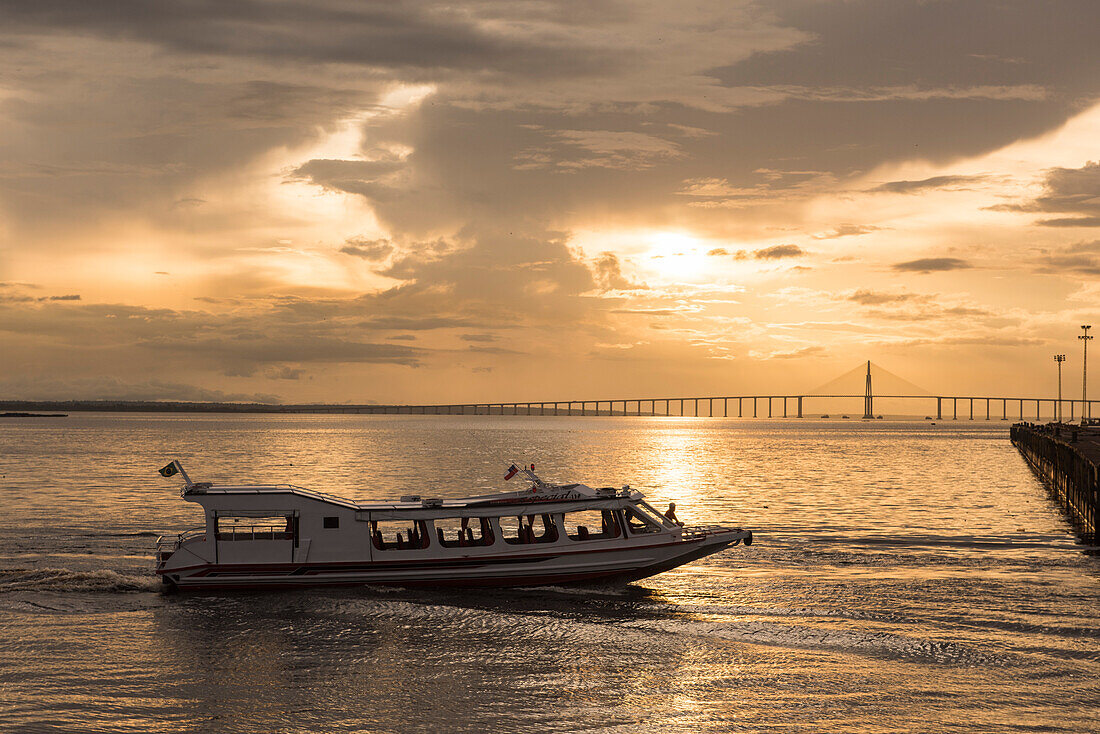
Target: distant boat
878	418
844	416
825	416
928	417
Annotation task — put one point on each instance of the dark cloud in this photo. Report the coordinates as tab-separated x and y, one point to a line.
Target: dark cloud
478	337
1070	222
70	297
1073	191
608	272
1082	258
371	179
936	182
932	264
777	252
241	342
368	249
414	35
113	388
419	323
283	373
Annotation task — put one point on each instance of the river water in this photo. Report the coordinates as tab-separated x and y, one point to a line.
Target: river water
905	578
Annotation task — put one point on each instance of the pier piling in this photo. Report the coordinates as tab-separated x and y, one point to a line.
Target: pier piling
1069	468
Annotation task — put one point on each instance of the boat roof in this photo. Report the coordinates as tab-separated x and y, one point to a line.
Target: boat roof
535	494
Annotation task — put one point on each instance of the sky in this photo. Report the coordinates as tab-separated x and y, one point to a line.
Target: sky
418	202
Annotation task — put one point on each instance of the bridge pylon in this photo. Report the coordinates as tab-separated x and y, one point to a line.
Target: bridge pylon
868	397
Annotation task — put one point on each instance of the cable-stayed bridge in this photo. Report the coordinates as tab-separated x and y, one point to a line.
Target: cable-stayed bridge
868	382
890	386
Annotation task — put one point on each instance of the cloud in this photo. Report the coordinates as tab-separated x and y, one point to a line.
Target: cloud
811	351
112	388
932	264
367	249
777	252
609	274
1082	258
874	298
283	372
614	149
954	183
1073	191
847	230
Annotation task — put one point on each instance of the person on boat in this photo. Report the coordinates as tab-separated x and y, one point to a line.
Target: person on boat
670	514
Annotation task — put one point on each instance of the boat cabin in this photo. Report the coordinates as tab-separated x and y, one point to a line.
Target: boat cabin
290	524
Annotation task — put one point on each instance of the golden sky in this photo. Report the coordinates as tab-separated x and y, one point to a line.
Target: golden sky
327	200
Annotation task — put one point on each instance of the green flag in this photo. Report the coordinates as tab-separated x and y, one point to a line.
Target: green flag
169	470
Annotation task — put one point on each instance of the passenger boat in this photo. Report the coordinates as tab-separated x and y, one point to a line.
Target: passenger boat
280	536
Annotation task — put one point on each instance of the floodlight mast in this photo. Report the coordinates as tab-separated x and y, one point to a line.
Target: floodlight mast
1085	374
1059	358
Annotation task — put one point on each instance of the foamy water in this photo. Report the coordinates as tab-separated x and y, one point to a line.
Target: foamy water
904	578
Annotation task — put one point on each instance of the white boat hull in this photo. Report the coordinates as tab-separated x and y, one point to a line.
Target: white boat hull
530	567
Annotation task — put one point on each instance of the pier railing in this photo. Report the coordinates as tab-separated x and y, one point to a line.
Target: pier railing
1066	458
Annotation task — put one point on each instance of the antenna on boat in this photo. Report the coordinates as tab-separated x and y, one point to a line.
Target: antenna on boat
176	468
529	472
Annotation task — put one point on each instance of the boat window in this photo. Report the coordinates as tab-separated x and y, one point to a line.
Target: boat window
275	527
528	529
387	535
460	532
332	522
640	523
592	525
647	509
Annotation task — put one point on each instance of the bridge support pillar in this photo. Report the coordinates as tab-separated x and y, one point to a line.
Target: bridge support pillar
799	406
939	409
971	408
754	407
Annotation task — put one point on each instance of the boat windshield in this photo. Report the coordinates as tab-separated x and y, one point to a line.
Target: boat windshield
656	516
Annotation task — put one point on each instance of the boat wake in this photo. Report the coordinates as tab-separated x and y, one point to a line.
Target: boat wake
64	579
876	643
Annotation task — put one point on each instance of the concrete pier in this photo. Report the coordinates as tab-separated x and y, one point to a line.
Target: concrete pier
1067	458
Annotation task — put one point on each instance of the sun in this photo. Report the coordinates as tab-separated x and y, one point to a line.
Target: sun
675	256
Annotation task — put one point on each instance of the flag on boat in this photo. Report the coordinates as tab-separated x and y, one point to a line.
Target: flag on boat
512	471
170	470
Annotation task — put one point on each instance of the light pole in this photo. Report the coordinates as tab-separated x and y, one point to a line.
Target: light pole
1085	374
1059	358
